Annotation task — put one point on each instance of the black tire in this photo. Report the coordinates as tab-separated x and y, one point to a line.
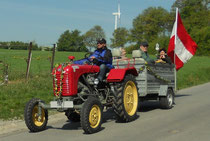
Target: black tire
72	116
167	101
31	119
91	124
126	108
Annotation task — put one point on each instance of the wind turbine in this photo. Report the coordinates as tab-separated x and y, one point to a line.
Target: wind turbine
117	16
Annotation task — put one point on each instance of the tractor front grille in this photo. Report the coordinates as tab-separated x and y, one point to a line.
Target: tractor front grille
65	85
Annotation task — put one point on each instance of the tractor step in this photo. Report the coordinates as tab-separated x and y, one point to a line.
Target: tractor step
61	104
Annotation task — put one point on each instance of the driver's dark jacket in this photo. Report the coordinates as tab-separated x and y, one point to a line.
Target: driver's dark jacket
102	56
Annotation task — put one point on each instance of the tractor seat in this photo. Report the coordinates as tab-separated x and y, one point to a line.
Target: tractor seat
117	60
116	53
136	55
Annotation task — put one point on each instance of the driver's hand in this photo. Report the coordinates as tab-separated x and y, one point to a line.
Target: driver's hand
92	57
86	63
95	61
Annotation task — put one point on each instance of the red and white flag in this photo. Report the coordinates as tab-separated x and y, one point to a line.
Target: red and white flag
181	44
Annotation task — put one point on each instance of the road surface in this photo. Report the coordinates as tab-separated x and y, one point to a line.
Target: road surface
188	120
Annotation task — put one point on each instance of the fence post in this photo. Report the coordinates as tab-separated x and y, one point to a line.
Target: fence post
53	56
6	73
29	60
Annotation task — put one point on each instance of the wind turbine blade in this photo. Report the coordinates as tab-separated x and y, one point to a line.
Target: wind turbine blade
119	10
119	19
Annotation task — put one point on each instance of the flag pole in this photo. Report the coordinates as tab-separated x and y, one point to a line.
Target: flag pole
175	72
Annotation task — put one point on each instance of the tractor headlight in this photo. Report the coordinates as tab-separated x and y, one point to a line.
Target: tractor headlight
96	81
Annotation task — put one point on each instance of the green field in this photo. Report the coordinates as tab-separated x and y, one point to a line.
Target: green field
40	63
14	95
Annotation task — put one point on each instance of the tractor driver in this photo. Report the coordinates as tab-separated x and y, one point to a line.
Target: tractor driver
102	57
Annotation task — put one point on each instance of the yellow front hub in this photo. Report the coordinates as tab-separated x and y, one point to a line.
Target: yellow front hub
38	120
130	98
95	116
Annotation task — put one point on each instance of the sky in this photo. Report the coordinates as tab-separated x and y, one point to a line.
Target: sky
43	21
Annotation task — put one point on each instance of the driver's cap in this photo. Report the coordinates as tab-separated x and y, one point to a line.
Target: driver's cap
101	41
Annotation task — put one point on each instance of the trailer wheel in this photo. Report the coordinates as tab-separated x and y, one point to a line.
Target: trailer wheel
91	115
34	122
167	101
72	115
126	99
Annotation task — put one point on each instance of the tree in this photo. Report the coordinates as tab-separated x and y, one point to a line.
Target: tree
64	41
192	13
196	19
163	42
91	36
120	37
71	41
18	45
151	24
35	46
202	38
77	42
131	47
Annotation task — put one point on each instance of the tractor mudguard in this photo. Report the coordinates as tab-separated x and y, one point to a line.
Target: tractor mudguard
117	75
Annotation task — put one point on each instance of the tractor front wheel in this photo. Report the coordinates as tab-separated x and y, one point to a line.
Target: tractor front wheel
91	115
33	120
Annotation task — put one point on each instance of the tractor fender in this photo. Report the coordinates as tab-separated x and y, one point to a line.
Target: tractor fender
117	75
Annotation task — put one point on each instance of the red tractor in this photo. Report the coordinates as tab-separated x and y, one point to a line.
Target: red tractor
82	100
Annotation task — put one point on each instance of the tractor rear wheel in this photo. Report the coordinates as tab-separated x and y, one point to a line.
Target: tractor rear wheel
72	115
91	115
126	99
33	120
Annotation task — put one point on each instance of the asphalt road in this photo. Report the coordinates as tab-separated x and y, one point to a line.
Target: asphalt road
188	120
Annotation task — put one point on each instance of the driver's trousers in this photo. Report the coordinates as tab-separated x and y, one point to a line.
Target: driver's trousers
103	70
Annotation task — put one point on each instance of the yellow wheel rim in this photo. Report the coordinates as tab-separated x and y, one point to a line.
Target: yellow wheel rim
130	98
95	116
38	120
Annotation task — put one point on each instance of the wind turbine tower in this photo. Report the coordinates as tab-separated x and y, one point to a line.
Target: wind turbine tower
117	16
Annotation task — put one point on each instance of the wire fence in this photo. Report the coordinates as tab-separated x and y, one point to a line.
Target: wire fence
24	64
21	64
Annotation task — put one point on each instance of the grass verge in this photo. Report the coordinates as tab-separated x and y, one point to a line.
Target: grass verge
18	92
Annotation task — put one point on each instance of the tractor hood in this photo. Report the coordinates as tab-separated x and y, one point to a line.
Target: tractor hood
65	77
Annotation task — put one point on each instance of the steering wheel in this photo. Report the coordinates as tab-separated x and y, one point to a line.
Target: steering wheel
88	54
87	57
90	61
